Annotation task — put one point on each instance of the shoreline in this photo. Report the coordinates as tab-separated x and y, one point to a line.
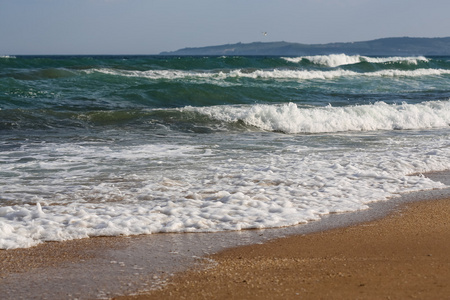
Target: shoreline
105	267
404	255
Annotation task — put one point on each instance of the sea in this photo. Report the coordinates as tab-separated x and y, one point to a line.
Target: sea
130	145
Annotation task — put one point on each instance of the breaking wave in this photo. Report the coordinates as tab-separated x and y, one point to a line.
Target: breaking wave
289	118
268	74
336	60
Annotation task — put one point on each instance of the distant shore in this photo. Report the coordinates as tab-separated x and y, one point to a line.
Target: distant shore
405	255
397	46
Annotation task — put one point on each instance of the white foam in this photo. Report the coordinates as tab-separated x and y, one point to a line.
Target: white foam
335	60
291	119
195	190
269	74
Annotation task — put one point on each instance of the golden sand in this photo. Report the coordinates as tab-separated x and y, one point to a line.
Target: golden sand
405	255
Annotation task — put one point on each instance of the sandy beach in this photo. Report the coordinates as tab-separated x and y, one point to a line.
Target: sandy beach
405	255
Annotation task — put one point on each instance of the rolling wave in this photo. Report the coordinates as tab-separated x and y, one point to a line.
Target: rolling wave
336	60
289	118
267	74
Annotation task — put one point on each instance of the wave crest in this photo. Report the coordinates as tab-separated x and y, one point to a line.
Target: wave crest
289	118
268	74
336	60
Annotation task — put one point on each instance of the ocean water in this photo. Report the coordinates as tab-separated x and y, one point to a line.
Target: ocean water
126	145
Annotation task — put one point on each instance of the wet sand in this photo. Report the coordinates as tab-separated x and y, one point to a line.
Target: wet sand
405	255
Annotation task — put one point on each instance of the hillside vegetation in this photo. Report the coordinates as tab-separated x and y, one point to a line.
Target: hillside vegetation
386	46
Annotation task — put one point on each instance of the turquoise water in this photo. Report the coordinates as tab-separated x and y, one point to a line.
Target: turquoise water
111	145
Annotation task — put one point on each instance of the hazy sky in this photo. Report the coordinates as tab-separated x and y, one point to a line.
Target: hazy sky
152	26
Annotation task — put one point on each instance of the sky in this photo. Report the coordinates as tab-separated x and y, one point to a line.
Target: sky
152	26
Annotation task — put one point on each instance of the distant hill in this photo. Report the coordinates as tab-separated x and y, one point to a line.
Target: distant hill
402	46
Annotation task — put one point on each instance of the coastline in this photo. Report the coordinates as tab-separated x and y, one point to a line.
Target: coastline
405	255
102	268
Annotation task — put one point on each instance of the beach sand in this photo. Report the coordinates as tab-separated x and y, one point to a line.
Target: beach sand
404	255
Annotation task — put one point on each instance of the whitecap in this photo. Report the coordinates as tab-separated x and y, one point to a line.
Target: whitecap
289	118
336	60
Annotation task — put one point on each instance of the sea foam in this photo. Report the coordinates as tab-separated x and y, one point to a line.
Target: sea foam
255	199
207	191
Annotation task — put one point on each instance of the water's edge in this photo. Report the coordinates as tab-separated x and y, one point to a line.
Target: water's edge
145	262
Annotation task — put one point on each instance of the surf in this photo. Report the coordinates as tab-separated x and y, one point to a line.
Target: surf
336	60
289	118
